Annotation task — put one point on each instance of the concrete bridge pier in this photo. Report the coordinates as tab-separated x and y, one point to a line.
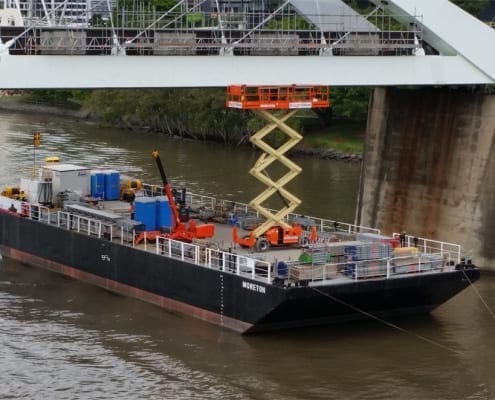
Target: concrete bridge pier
429	167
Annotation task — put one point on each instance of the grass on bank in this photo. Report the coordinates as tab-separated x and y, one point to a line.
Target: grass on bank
342	136
30	99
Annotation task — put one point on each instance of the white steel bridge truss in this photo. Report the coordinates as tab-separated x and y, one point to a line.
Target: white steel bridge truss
463	57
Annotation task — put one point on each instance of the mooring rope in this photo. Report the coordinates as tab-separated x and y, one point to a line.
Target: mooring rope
490	311
424	338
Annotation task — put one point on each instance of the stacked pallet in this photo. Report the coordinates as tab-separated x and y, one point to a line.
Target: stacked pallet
311	273
375	237
367	259
408	259
331	252
367	251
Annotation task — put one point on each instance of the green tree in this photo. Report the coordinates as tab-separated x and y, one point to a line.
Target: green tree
197	113
163	5
51	96
350	102
474	7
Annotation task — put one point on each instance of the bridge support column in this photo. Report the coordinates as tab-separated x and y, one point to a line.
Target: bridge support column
429	167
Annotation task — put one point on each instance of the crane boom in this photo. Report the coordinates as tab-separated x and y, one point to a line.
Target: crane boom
179	230
168	190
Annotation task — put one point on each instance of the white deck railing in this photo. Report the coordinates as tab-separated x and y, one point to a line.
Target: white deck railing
197	201
429	246
382	268
188	252
434	255
214	259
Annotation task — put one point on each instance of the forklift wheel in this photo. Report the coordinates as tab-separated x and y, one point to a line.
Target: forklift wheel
262	245
303	241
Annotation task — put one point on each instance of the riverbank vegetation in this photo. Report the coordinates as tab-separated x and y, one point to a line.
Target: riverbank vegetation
201	114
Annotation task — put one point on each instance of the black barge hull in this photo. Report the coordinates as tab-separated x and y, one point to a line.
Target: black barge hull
222	298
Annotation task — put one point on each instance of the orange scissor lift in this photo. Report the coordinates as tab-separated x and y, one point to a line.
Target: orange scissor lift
263	100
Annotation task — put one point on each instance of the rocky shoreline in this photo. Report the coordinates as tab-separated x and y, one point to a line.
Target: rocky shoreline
38	108
328	154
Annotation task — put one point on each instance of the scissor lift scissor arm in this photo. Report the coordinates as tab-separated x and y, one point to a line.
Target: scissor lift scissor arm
262	99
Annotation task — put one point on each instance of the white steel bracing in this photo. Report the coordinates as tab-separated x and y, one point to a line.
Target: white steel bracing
268	157
463	58
450	30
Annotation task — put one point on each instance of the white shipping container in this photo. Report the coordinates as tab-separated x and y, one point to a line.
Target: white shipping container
68	177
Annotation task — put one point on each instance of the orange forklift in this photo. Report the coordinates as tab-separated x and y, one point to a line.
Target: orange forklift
275	236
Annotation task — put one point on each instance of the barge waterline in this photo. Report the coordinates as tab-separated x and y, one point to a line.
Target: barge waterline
116	287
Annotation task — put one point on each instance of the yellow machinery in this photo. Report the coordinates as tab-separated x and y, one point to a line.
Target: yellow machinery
52	160
14	193
128	189
262	99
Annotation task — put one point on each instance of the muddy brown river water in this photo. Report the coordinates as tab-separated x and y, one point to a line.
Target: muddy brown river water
62	339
